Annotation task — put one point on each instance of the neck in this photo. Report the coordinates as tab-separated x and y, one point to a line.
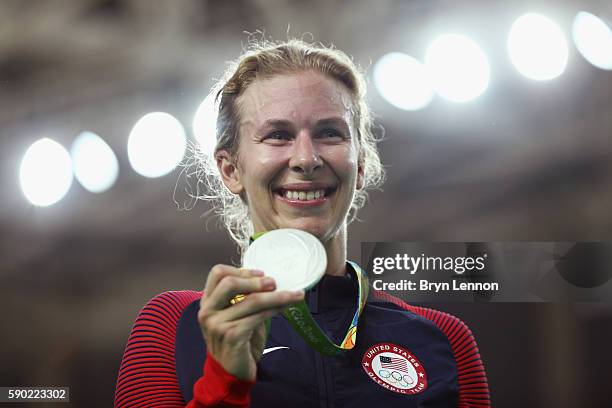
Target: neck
336	253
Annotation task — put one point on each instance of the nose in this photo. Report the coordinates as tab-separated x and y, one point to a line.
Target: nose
305	157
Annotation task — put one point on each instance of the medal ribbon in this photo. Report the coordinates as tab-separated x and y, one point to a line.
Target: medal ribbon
302	322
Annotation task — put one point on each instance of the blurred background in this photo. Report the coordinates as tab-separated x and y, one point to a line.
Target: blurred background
498	124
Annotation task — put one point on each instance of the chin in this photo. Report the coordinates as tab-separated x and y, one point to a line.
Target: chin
318	228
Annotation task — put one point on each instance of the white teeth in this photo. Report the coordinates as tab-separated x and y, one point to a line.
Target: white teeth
304	195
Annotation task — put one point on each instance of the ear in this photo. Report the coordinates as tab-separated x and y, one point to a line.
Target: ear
360	172
230	174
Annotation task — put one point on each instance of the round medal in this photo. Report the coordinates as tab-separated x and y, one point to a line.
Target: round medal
295	259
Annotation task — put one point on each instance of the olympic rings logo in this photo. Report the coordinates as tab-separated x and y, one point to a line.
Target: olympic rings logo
403	380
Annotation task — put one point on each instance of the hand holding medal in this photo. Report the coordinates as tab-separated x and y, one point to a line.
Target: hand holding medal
238	302
235	335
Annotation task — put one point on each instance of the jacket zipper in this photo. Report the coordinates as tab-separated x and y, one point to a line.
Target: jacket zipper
320	372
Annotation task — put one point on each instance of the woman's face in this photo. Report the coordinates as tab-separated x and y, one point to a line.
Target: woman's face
298	157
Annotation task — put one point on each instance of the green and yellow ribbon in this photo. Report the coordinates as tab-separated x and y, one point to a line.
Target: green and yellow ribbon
301	320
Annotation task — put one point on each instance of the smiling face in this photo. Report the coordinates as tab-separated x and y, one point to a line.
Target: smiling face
298	163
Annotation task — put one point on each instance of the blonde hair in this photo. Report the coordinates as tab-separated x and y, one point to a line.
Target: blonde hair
266	59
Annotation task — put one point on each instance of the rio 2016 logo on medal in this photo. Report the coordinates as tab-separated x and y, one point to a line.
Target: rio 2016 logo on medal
394	368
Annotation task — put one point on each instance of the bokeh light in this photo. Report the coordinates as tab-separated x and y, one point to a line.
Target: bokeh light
537	47
458	67
593	39
403	81
204	125
156	144
94	164
45	173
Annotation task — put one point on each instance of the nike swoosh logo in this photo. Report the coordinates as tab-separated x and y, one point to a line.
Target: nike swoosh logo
271	349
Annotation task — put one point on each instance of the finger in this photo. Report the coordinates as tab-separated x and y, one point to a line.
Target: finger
230	286
237	331
218	272
260	302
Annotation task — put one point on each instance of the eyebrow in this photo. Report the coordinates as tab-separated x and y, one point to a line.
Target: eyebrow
332	121
272	123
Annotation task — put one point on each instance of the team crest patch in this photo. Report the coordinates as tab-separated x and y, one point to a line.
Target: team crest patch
394	368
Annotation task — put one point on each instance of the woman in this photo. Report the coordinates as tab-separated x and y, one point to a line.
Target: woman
294	150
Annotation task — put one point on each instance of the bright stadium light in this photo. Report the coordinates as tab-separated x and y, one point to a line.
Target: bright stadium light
458	67
156	144
403	81
593	39
94	164
45	174
204	125
537	47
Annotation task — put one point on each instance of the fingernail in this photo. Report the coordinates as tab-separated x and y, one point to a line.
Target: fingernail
256	272
268	283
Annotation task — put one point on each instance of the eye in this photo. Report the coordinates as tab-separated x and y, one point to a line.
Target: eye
331	134
277	137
